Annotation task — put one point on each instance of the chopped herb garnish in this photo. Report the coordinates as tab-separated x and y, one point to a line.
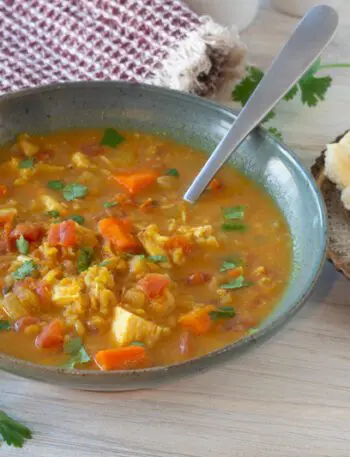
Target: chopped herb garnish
85	258
55	184
111	138
251	331
138	343
157	258
13	433
53	214
27	163
173	172
234	227
74	191
105	263
26	269
78	219
237	283
74	347
235	212
4	325
110	204
223	312
229	265
22	245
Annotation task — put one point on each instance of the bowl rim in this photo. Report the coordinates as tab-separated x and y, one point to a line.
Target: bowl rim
9	363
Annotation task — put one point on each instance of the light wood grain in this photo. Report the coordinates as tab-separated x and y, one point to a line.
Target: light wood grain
289	397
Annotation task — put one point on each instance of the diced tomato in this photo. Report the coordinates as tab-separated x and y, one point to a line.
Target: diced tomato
24	322
178	241
63	234
29	231
198	278
51	336
154	284
45	155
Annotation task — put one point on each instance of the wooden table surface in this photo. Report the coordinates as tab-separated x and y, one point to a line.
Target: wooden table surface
289	397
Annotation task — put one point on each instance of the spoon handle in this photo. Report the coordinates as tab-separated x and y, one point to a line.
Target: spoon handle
310	37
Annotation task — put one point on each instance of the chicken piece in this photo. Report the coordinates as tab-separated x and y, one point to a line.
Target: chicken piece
138	265
51	204
85	236
202	235
80	160
128	327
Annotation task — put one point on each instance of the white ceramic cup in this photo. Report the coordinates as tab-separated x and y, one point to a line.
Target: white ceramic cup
300	7
239	13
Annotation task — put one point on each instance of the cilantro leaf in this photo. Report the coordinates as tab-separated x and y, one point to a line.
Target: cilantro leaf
245	88
157	258
138	343
276	133
291	94
22	245
237	283
314	89
85	258
172	172
74	191
74	347
13	433
111	138
234	227
4	325
26	269
78	219
235	212
223	312
55	184
252	330
54	214
110	204
228	265
27	163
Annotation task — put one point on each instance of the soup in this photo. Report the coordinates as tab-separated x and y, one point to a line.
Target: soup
104	266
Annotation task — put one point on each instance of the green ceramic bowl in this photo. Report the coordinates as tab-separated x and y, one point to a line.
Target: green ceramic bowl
199	123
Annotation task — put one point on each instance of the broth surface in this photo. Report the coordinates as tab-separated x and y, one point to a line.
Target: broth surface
99	250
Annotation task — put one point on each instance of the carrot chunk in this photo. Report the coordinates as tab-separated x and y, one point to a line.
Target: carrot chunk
136	181
235	272
51	336
198	321
154	284
117	231
122	358
63	234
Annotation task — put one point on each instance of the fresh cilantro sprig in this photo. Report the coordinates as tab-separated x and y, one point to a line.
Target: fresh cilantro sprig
13	433
75	349
311	88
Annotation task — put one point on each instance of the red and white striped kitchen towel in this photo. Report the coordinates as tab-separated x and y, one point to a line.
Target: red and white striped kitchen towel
155	41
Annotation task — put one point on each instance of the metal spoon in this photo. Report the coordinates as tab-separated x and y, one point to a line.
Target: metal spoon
310	37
